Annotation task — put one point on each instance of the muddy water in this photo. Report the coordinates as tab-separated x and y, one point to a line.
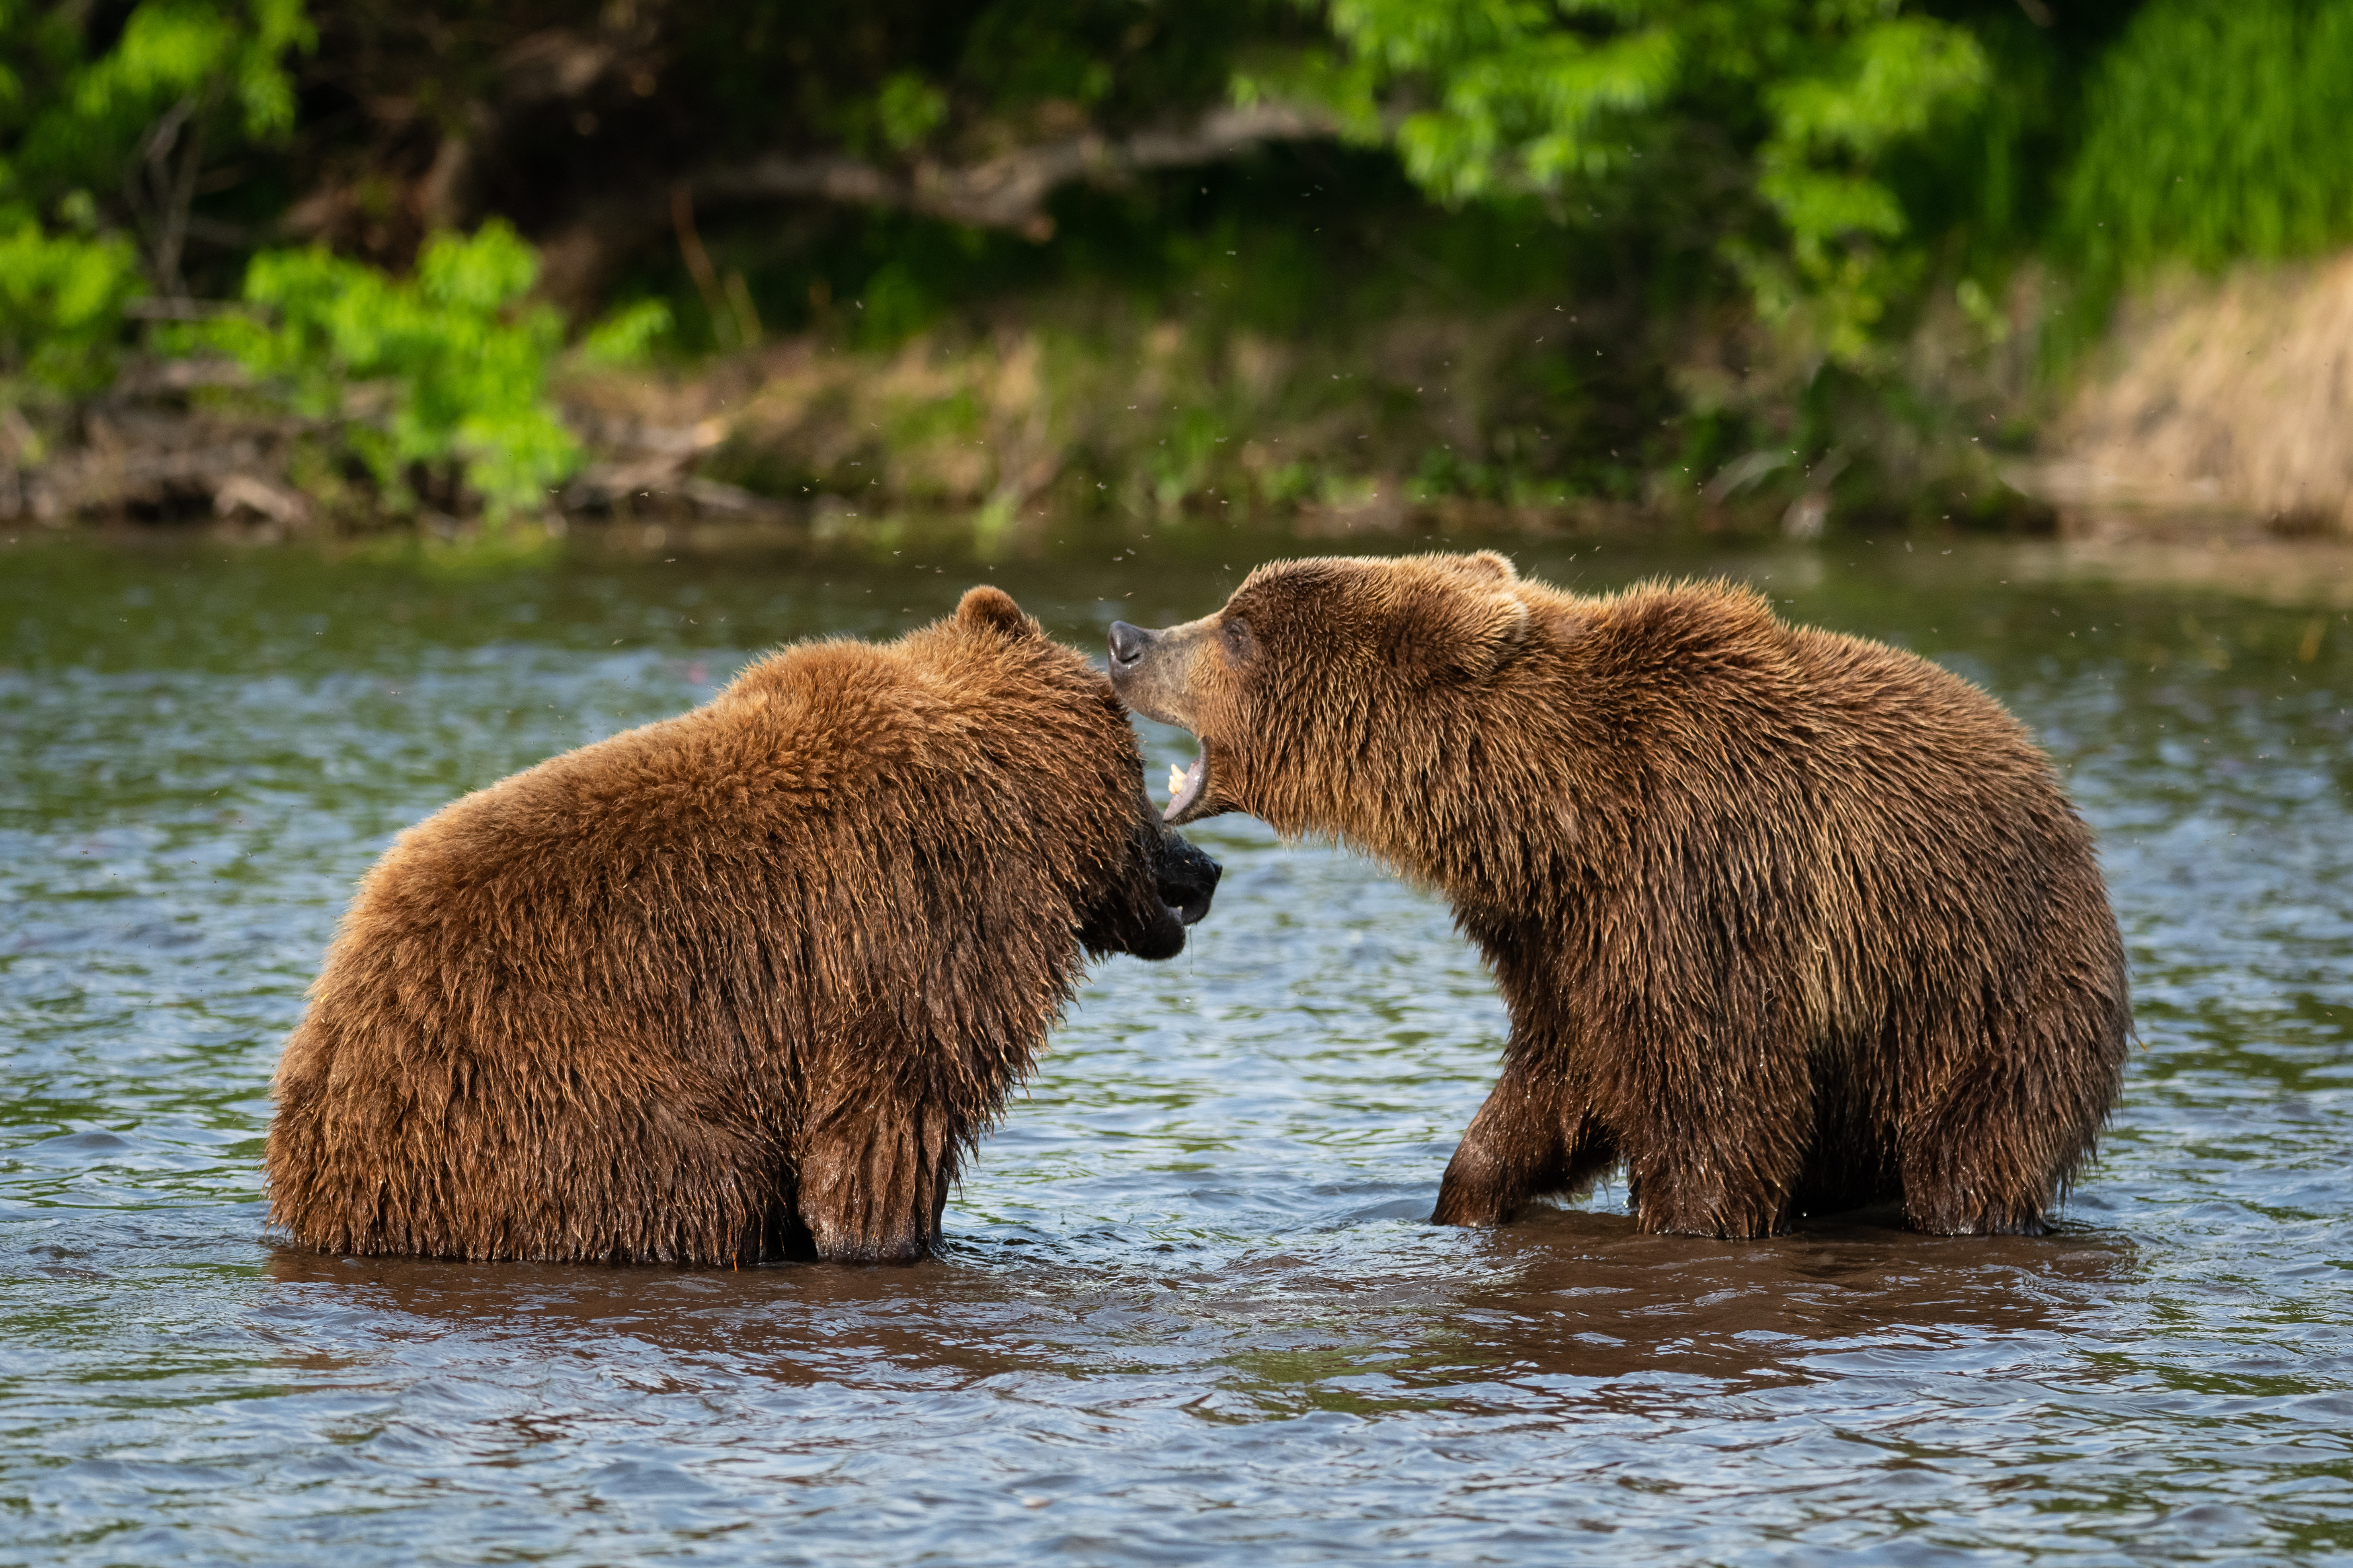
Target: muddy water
1188	1312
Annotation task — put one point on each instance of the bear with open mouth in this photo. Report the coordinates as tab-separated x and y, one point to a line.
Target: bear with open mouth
744	984
1787	921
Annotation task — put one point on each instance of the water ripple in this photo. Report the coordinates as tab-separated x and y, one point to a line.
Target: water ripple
1187	1311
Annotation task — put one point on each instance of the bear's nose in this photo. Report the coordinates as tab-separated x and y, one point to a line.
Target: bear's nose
1128	643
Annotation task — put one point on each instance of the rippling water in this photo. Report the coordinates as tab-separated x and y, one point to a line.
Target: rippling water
1187	1311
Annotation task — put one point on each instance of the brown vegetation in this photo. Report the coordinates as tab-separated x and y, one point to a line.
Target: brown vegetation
1094	405
2216	402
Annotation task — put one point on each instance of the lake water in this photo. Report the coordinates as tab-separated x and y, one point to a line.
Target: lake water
1187	1310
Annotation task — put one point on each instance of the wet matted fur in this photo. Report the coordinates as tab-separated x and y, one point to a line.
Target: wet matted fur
745	982
1787	921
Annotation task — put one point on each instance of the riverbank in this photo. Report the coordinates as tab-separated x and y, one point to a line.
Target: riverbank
2212	415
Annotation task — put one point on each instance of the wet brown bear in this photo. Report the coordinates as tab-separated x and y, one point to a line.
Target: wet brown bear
1787	921
745	982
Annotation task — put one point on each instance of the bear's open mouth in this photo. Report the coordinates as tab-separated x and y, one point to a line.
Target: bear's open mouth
1185	785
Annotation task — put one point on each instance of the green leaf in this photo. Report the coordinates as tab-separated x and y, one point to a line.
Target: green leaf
626	335
61	300
459	353
909	109
1492	99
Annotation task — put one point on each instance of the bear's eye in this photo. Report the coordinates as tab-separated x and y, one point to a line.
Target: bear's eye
1239	646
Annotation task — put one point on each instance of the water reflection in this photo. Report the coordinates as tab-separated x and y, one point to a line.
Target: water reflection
1563	1295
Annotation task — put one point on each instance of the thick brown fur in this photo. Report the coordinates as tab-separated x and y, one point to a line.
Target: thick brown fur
745	982
1787	921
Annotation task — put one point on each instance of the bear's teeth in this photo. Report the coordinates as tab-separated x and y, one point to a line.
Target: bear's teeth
1175	781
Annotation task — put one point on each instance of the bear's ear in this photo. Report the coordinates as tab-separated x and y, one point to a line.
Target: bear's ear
991	607
1490	565
1462	633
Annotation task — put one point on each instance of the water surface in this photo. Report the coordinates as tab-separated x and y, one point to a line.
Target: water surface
1187	1311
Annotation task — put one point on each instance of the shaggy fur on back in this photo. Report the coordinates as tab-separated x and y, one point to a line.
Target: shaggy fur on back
746	982
1787	921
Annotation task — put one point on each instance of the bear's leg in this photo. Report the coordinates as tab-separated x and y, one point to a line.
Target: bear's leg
1715	1141
873	1180
1959	1179
1692	1191
1976	1159
2020	1092
1525	1143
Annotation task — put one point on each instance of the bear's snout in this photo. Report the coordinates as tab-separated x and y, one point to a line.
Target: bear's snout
1151	671
1188	877
1129	645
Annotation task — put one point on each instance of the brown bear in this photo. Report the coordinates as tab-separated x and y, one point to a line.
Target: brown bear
1786	921
744	984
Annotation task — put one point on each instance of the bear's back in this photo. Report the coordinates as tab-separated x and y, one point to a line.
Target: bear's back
1945	848
1851	804
838	815
1927	762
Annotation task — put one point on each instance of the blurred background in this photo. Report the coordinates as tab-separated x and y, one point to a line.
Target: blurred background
1745	266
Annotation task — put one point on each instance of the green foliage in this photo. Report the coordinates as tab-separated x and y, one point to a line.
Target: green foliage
76	129
908	108
170	49
1887	82
2215	130
449	367
1521	96
1855	175
62	299
626	336
71	120
1487	97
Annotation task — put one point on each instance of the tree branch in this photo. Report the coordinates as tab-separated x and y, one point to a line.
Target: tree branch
1010	191
1004	192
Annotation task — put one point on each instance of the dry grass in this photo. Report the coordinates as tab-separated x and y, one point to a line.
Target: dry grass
2216	402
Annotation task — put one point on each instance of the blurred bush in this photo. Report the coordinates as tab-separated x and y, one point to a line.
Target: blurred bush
2215	130
436	384
1565	102
1676	239
102	147
61	300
